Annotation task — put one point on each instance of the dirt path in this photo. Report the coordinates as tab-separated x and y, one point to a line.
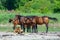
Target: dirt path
29	36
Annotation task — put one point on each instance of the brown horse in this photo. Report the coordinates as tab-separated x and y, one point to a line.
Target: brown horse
39	21
44	20
31	22
28	21
19	21
15	22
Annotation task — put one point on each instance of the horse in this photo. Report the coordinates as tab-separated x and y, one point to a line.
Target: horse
36	20
44	20
29	21
15	22
19	21
22	21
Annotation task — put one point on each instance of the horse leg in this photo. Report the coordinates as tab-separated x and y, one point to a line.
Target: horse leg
28	28
35	28
46	28
14	27
32	29
22	27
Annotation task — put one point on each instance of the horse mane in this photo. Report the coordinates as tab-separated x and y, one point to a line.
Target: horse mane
30	17
19	15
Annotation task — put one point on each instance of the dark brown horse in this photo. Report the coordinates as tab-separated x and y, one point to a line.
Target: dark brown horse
20	20
28	21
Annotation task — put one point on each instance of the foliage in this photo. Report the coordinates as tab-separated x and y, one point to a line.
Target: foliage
31	6
4	18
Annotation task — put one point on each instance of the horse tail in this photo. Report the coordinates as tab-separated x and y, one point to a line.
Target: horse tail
55	19
10	20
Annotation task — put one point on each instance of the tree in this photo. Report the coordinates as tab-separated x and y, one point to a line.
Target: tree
1	4
10	4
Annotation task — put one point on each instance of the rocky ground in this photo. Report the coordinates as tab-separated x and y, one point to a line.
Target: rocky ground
30	36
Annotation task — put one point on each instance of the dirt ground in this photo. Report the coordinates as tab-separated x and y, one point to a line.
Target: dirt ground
30	36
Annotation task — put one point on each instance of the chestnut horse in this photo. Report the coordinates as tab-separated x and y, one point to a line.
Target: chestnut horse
15	22
45	20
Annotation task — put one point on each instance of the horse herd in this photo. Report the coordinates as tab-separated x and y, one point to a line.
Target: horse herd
31	22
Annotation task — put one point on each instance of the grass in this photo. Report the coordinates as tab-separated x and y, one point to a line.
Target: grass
5	16
6	29
40	29
50	29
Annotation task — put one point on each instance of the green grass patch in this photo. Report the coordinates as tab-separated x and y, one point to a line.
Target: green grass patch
4	18
6	29
50	29
40	29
